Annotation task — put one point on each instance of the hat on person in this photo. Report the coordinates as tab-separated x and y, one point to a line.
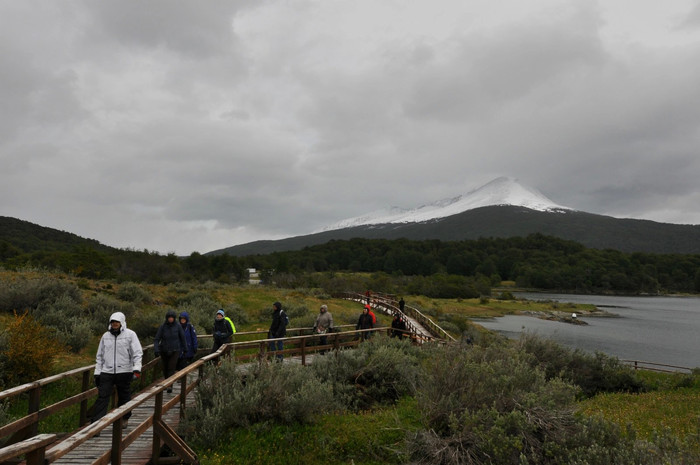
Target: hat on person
221	311
324	307
277	305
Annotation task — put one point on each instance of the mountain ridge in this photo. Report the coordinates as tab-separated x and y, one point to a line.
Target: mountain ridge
591	230
503	190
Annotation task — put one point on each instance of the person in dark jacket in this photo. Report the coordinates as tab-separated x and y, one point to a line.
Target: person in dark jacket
191	339
402	304
365	322
170	343
222	331
278	330
398	326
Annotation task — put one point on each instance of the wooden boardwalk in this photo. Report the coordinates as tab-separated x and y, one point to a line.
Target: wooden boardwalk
155	413
139	451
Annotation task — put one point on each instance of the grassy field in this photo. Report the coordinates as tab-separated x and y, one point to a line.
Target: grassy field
366	438
672	406
374	436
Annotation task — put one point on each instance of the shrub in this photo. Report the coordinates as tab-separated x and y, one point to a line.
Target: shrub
79	333
145	324
30	350
231	397
381	370
460	380
488	405
67	321
237	314
4	344
506	295
101	307
201	308
21	295
296	311
594	373
5	417
131	292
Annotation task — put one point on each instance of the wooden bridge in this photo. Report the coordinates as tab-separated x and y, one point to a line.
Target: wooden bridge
155	413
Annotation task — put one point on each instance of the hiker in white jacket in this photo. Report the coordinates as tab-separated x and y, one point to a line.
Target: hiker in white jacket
118	362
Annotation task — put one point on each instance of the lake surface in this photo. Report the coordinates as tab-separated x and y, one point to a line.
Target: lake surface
652	329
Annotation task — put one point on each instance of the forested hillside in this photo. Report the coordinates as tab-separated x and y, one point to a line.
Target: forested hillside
432	267
535	261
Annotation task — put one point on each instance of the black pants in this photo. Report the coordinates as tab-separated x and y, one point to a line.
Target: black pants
169	360
182	362
107	383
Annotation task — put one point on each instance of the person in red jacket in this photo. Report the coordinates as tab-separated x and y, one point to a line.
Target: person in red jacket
371	313
364	322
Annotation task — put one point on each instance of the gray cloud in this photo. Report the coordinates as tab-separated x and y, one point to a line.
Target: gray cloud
183	127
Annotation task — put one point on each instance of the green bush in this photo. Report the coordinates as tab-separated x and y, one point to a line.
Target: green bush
79	334
491	406
265	392
202	308
506	295
145	324
66	319
593	373
22	294
131	292
380	370
459	380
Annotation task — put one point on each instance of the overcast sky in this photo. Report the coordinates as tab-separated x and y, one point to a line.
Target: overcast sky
179	126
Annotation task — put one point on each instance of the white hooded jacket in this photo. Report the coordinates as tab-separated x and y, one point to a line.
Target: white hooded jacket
121	353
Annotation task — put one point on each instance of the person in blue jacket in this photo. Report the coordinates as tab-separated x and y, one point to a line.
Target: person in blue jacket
191	339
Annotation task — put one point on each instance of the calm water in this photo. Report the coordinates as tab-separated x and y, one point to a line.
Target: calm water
653	329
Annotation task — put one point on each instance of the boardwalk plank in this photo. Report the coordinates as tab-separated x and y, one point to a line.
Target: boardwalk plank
138	452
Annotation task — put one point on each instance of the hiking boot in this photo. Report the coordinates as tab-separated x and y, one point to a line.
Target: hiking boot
169	390
125	423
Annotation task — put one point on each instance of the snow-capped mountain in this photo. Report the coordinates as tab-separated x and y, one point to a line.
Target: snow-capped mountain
500	191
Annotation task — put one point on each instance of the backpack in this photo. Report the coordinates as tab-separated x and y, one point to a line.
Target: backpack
284	319
233	327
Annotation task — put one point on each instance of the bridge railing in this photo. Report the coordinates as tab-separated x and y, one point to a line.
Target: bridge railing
388	304
23	431
78	389
660	367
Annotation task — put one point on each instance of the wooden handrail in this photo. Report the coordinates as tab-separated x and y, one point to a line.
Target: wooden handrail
34	449
244	350
661	367
388	304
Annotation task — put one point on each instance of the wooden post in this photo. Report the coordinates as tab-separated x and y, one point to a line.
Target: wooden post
183	396
303	352
157	417
34	405
84	403
116	455
34	448
261	354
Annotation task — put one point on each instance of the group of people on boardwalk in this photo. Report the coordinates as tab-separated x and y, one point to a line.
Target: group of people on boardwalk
119	355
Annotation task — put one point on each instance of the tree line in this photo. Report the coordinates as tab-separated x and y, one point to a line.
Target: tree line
535	261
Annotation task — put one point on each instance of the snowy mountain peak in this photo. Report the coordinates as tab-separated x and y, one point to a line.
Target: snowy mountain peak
500	191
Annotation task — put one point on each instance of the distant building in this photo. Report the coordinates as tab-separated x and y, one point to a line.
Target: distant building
253	276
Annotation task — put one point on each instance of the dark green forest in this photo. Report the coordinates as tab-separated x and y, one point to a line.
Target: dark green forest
536	261
432	267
